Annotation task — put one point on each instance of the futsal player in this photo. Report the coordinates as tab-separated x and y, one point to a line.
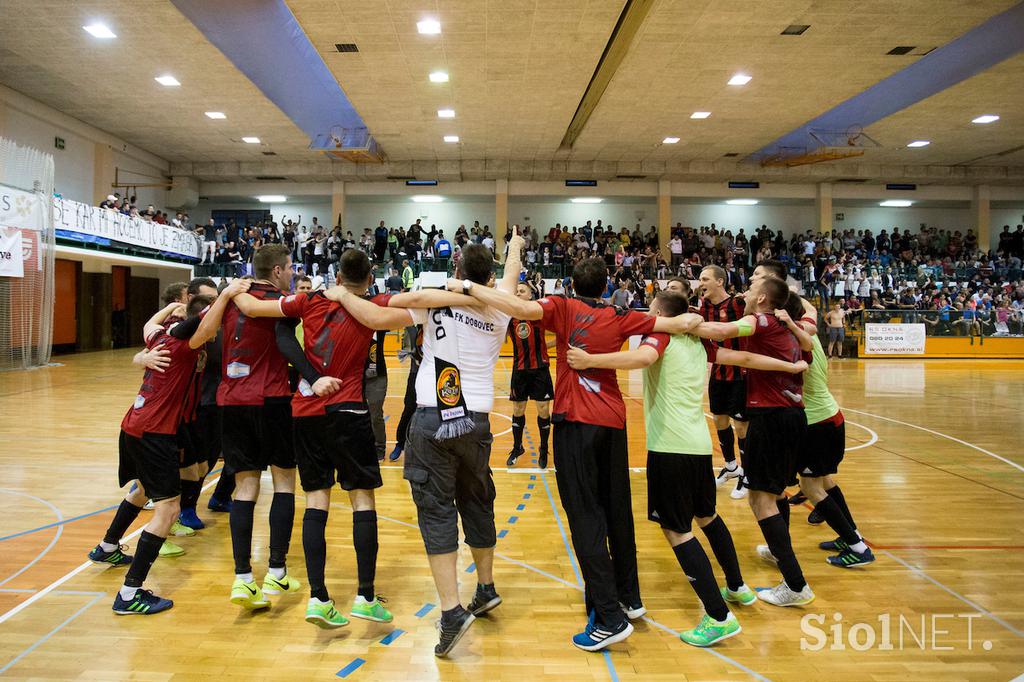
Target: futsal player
776	425
409	403
148	450
680	477
531	380
590	446
256	432
727	387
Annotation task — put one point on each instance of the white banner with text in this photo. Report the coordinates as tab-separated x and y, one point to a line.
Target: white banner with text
894	339
12	262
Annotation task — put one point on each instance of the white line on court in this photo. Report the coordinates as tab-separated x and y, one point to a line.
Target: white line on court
872	441
56	537
72	573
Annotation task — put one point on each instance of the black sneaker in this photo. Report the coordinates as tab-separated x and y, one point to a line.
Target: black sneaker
485	599
144	603
514	455
542	458
115	557
815	518
451	632
797	499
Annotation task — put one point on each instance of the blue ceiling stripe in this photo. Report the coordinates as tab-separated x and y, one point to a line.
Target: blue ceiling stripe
982	47
265	41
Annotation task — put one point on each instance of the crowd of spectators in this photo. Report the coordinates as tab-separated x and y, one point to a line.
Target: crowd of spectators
127	206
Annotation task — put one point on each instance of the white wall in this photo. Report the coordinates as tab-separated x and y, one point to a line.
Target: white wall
73	165
307	207
402	211
788	218
544	214
1006	216
878	218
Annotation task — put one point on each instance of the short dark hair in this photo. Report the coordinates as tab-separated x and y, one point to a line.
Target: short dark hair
795	306
303	279
476	263
268	257
717	272
198	304
671	303
354	266
193	286
590	277
776	291
173	292
776	267
685	283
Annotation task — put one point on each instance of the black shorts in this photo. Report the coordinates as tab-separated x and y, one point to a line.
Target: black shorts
254	437
774	435
728	397
336	447
153	461
822	448
679	488
188	444
531	384
207	434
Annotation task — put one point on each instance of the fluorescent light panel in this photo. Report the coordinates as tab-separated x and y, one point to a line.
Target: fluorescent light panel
430	27
739	79
586	200
99	31
215	114
272	198
985	118
251	140
670	140
896	203
446	113
741	202
438	77
919	143
427	199
451	138
167	81
700	114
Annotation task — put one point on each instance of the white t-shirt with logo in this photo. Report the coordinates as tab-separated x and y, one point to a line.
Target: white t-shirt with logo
480	332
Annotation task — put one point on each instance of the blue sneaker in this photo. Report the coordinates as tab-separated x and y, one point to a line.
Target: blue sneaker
144	603
396	453
115	557
188	518
597	637
849	558
218	505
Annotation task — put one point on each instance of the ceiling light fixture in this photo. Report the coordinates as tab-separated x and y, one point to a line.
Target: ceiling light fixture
251	140
427	199
741	202
986	118
919	143
446	113
215	114
586	200
670	140
896	203
99	31
272	198
167	81
700	114
451	138
739	79
438	77
429	27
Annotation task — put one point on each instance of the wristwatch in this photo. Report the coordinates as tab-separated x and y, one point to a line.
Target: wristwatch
466	286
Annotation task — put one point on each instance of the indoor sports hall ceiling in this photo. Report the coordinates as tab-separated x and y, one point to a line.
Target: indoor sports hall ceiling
518	70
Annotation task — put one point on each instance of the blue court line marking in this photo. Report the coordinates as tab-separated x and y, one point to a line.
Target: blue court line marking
424	610
533	477
350	668
530	486
611	666
526	496
503	532
470	568
392	636
520	507
561	529
513	519
50	634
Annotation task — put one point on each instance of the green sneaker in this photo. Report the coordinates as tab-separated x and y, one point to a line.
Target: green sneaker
169	549
744	595
248	595
273	586
371	610
709	631
323	614
181	530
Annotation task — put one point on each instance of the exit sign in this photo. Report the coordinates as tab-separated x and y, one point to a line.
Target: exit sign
58	142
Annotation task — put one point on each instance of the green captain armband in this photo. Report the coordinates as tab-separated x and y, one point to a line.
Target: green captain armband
746	329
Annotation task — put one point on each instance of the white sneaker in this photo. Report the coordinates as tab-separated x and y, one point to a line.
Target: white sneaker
781	595
764	552
740	491
149	505
726	473
633	612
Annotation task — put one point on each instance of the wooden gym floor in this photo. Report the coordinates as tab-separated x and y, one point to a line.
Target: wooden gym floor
933	475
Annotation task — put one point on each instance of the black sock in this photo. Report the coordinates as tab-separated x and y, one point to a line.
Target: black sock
282	517
124	516
189	494
776	533
199	489
518	425
720	539
452	615
697	568
364	539
240	520
544	426
314	546
225	486
743	447
146	553
836	494
783	506
837	521
725	439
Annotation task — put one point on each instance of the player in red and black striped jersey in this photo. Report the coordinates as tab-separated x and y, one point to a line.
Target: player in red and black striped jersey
531	380
727	388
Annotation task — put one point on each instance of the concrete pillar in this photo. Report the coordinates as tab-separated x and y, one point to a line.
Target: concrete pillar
981	215
823	207
102	173
664	216
500	216
337	203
